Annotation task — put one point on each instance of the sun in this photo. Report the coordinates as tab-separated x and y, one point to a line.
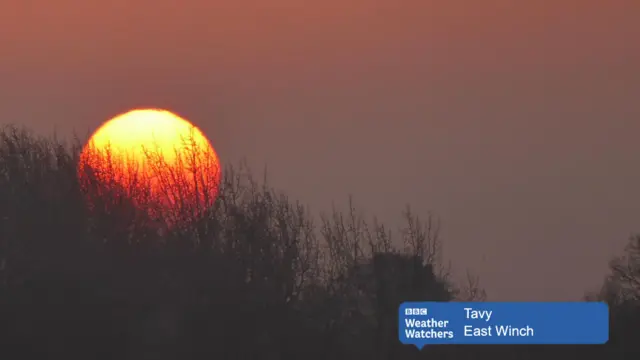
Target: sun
155	159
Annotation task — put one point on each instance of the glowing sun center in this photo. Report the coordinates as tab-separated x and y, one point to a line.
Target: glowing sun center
168	152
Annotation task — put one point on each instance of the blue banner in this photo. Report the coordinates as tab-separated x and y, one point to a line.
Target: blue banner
431	323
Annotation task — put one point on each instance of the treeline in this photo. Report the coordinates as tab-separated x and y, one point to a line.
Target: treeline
252	276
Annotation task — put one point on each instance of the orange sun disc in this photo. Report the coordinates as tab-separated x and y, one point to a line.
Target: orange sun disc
155	159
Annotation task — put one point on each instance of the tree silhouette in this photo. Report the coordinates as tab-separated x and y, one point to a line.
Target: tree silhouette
621	290
89	272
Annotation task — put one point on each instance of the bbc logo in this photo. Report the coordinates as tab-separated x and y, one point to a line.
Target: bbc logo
415	311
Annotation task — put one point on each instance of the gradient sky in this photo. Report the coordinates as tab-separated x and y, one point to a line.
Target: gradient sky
516	121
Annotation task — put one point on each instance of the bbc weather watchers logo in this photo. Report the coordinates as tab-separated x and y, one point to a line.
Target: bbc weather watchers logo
415	311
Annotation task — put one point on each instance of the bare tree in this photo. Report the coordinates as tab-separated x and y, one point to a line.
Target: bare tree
622	285
181	274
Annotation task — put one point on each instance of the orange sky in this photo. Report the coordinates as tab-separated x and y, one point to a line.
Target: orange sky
516	121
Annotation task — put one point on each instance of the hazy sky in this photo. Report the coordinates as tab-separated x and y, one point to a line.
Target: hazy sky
516	121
